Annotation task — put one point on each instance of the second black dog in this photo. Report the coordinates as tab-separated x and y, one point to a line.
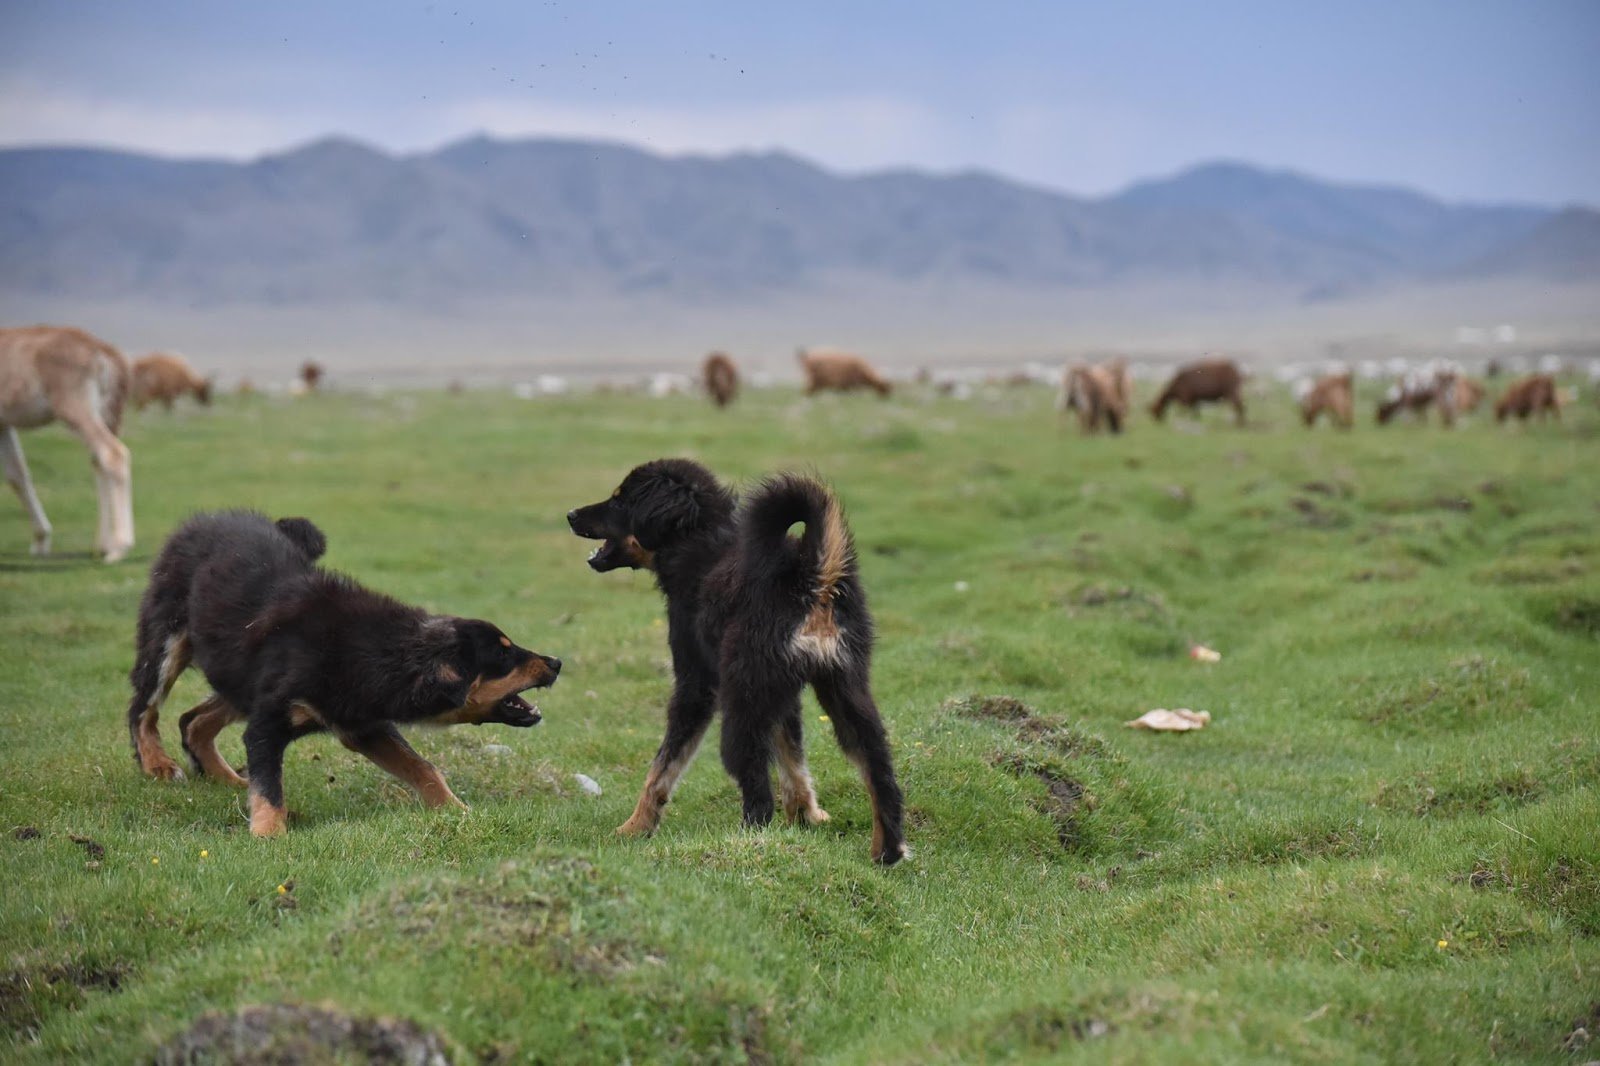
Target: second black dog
754	615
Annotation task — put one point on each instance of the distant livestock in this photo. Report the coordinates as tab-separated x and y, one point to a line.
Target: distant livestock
163	378
48	373
1208	381
311	375
1440	385
1099	393
721	378
1534	394
1333	394
829	368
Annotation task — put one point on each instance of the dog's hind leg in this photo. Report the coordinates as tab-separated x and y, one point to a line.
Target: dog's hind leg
856	723
749	717
386	747
688	713
156	670
795	789
198	729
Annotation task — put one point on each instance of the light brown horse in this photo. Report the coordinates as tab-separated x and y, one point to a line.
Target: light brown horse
46	373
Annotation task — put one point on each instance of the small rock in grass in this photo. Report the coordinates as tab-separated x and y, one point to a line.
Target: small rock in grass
587	783
496	749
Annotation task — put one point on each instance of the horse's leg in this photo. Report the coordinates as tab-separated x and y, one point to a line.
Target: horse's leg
16	467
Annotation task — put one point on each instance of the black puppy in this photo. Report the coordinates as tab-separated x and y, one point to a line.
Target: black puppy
754	615
293	649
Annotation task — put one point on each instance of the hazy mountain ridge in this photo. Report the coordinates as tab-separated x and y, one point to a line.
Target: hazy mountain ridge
336	220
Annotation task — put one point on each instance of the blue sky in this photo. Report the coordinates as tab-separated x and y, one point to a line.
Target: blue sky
1465	99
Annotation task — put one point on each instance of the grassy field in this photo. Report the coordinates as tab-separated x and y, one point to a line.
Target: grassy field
1386	847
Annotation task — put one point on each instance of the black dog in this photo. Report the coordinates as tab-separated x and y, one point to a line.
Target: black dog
293	649
753	617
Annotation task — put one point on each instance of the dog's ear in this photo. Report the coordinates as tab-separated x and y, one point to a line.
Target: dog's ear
448	667
662	509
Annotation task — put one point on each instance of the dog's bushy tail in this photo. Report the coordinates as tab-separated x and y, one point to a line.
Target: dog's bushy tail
306	536
812	570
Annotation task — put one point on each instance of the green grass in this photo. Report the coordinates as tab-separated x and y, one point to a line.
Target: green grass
1385	848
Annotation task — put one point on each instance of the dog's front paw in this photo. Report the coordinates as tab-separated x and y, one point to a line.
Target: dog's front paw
164	770
892	854
635	827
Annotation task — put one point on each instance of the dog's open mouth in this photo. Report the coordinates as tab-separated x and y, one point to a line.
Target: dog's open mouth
608	556
513	710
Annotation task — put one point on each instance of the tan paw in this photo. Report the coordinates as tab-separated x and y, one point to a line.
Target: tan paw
635	827
816	816
164	770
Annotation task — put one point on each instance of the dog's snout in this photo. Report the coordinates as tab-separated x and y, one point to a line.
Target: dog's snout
553	663
572	517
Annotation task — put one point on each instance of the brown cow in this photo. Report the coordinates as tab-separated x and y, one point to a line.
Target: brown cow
829	368
1097	393
721	378
1534	394
1207	381
162	378
1333	394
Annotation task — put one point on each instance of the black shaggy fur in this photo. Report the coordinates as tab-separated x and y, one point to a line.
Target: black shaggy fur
293	649
754	615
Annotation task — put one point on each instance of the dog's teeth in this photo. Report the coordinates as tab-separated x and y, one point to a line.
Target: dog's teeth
595	552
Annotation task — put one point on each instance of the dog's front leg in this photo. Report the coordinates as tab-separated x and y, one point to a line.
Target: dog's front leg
688	713
265	737
386	747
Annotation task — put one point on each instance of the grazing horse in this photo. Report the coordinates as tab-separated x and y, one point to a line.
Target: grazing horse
48	373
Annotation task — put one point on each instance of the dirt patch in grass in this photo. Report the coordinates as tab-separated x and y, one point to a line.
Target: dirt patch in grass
1531	570
290	1035
1046	1029
25	832
1000	708
1425	797
1470	689
1584	1032
1064	800
1098	803
1576	614
535	912
26	996
1392	571
1316	516
92	848
1275	846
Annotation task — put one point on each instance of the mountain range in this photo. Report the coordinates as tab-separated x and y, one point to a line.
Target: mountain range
337	221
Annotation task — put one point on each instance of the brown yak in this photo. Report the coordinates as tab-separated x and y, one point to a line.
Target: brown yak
1098	393
1206	381
721	378
1534	394
161	378
829	368
1331	393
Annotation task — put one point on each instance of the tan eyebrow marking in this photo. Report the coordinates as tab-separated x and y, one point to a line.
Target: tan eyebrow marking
505	642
